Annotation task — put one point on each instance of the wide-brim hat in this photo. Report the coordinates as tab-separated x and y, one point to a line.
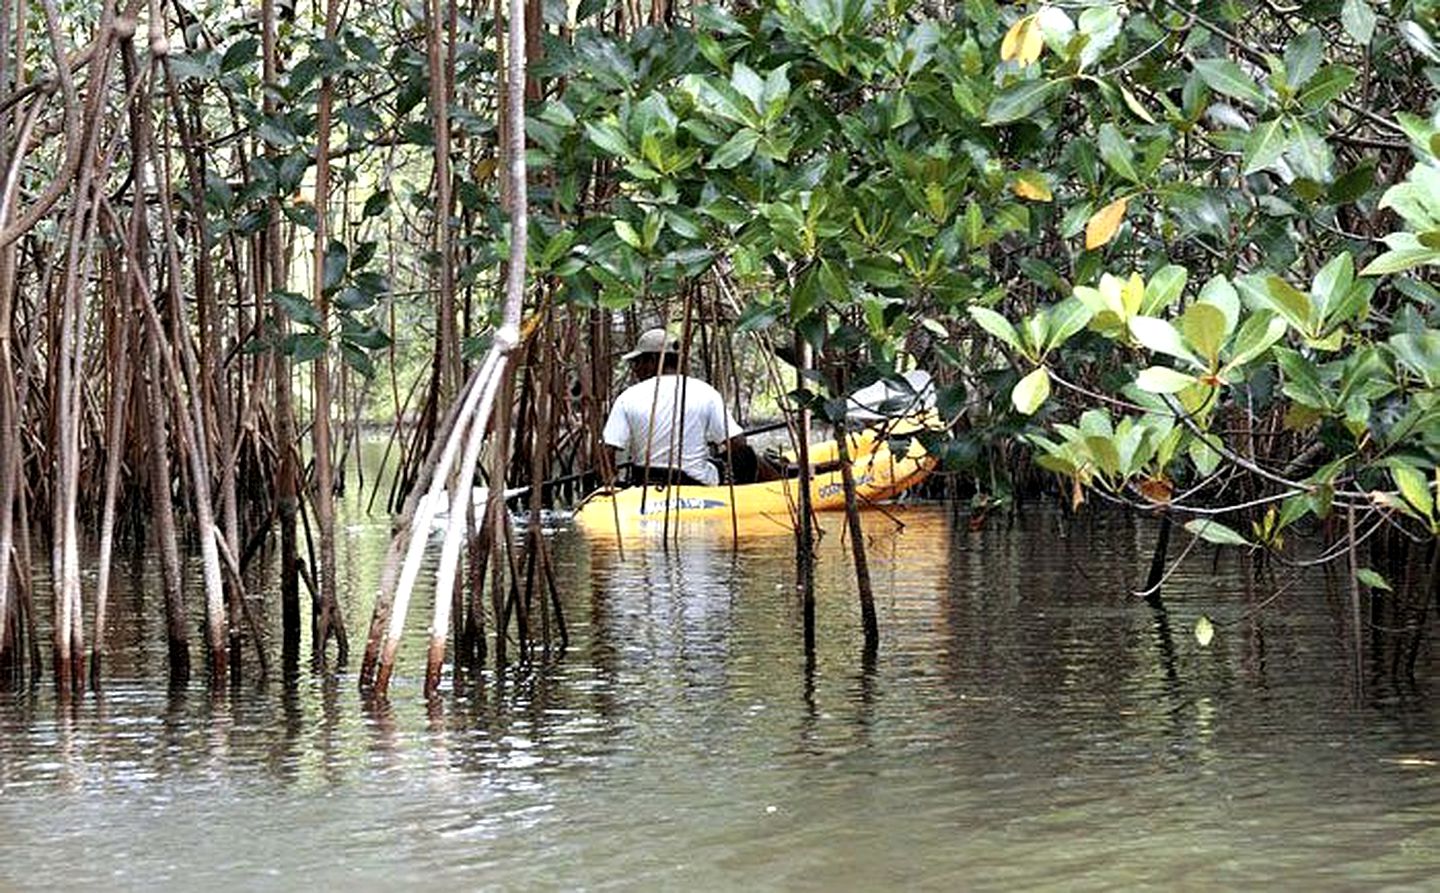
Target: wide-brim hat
653	341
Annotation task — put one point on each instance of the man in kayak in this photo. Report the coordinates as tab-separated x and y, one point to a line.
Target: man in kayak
666	423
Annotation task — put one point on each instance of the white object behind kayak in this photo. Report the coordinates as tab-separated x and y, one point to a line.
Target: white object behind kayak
892	399
479	498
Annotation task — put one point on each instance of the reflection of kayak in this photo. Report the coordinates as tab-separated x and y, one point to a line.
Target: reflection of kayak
880	473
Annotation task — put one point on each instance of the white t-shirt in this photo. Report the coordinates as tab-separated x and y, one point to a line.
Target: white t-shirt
706	421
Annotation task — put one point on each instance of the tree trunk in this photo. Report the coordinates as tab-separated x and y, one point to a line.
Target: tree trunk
211	396
177	631
325	610
190	419
274	275
857	542
447	348
119	379
804	528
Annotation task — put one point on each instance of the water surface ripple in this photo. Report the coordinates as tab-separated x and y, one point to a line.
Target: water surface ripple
1028	724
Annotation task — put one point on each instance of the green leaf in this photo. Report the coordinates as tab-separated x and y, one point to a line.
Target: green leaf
1224	76
1219	293
363	336
1259	331
1413	487
807	295
191	66
1353	184
1066	318
1203	326
364	253
1359	21
1291	302
1202	451
1115	151
360	119
1400	260
628	234
1372	579
1163	380
1215	532
1420	351
556	247
748	84
303	347
1303	55
1414	201
726	210
303	214
353	299
1309	155
1419	39
996	325
357	359
276	131
1327	85
1332	283
1163	288
332	272
776	93
757	317
372	283
1023	100
608	137
736	150
1265	145
1135	106
1031	391
296	306
1160	336
1302	380
376	204
239	53
1106	456
362	46
1034	332
1100	27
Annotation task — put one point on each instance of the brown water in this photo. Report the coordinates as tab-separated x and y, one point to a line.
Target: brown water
1027	725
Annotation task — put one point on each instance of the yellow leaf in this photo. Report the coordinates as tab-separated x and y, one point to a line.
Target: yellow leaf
1023	42
1104	223
1032	44
1204	631
1133	291
1112	292
1032	185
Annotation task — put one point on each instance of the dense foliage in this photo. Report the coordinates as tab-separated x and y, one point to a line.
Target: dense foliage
1209	226
1145	236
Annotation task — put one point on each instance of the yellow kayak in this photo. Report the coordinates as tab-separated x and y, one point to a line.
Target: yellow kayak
879	473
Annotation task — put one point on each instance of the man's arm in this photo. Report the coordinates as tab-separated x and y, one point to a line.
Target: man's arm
748	465
735	445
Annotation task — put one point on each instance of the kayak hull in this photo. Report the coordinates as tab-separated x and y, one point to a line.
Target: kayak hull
879	473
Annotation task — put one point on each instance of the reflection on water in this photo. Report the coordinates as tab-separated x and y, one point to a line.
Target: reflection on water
1028	724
